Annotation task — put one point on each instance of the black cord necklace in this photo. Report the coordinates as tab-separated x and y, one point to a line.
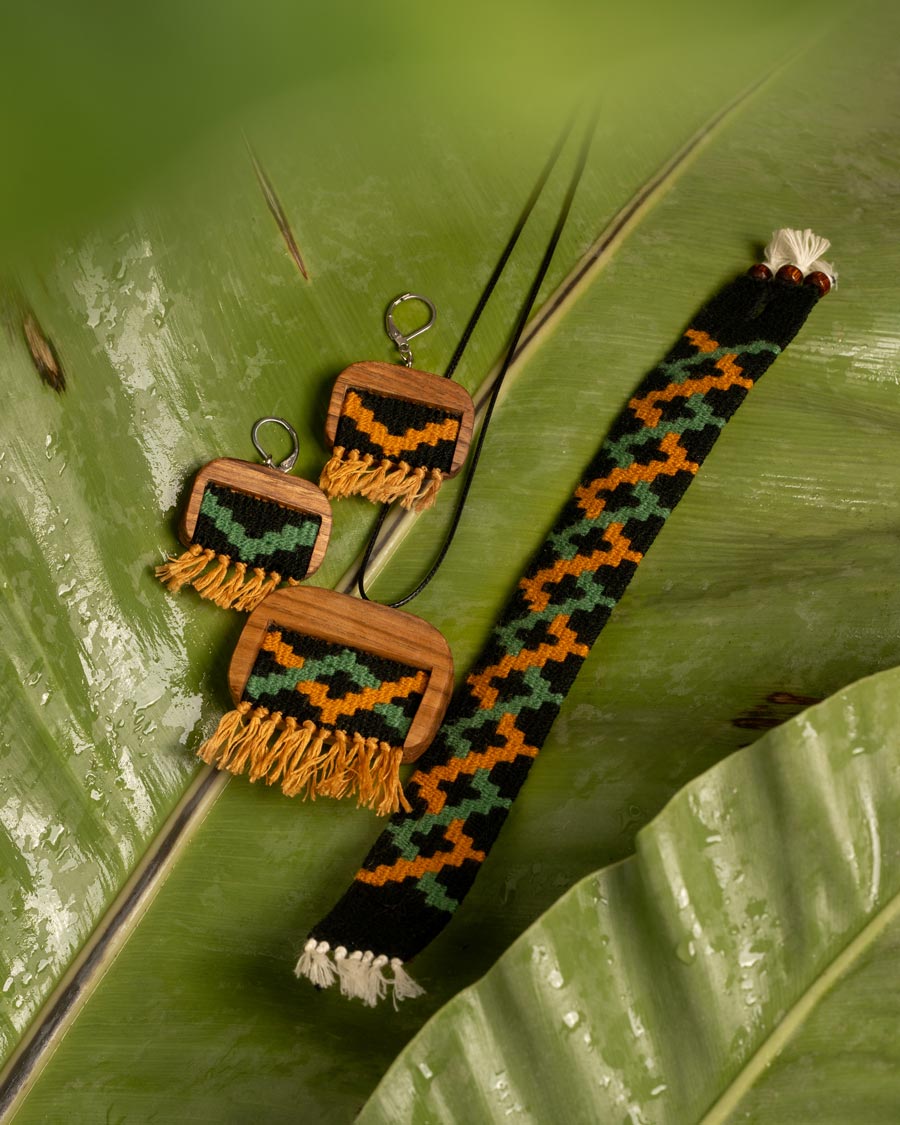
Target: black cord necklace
510	353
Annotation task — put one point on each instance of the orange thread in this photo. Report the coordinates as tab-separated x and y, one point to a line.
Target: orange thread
514	747
331	709
392	444
676	462
403	868
619	552
567	643
732	375
317	693
701	340
281	650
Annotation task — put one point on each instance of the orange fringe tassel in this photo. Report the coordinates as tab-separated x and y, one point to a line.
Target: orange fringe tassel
225	583
307	760
350	474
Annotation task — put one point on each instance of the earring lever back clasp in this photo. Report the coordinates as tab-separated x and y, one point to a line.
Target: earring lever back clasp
402	339
288	463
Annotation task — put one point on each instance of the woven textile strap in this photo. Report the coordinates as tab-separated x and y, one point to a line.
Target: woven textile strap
424	862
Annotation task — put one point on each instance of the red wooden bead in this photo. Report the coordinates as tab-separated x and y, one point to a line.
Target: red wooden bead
791	274
820	280
760	271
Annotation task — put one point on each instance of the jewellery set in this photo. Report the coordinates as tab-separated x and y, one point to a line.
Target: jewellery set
332	692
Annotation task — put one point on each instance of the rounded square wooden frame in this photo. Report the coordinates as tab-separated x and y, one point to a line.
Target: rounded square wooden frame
367	626
266	484
394	381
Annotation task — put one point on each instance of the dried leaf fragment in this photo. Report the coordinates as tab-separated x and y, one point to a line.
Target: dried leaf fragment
43	353
278	212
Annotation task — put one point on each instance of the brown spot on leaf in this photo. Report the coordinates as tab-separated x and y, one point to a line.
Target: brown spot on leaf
778	707
756	721
788	699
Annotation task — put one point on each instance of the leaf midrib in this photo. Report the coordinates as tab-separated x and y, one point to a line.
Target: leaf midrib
796	1016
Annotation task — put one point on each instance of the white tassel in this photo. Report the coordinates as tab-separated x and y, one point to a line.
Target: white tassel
350	971
370	980
800	248
315	964
340	965
405	988
368	985
379	980
360	974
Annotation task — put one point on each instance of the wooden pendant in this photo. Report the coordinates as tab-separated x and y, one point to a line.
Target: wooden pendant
331	695
397	434
410	658
248	528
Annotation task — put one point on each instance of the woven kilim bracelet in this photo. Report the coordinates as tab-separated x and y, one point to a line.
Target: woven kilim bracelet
424	862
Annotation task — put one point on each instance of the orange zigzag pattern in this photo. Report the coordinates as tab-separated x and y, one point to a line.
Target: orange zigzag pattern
515	746
701	340
619	551
732	375
676	462
482	685
333	709
393	445
397	872
282	651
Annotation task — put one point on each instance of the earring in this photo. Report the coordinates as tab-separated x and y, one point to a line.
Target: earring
396	433
248	528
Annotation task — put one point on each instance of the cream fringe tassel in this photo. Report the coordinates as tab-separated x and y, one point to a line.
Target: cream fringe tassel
226	583
306	759
800	248
359	974
350	474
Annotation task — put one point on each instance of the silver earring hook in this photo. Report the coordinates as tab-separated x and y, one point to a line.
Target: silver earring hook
288	463
402	339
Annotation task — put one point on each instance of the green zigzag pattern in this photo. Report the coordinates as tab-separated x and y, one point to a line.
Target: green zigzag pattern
488	798
313	670
679	370
271	684
288	539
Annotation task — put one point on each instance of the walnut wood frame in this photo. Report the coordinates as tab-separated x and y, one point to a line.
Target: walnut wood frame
266	484
377	629
413	386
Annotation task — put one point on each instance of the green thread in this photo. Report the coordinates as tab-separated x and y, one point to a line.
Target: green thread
678	370
288	539
592	597
394	715
564	542
702	415
489	798
273	682
435	894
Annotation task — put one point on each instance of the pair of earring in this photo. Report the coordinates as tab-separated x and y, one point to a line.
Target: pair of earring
331	694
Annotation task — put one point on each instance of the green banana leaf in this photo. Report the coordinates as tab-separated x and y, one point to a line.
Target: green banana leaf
182	318
741	966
